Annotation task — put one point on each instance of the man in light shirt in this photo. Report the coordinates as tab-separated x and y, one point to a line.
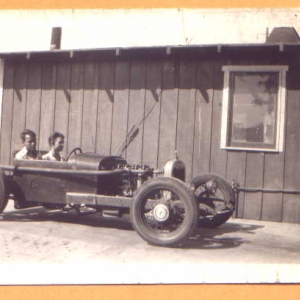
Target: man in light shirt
56	142
29	152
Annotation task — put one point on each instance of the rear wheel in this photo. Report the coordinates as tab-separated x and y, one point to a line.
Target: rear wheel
3	196
215	198
164	212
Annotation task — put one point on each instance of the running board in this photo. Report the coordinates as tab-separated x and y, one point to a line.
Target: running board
98	200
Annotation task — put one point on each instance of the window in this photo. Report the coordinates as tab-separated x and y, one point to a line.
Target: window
253	108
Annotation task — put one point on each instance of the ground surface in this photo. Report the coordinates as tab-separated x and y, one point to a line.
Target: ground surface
41	246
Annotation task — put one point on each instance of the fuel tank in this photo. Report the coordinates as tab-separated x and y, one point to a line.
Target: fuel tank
95	161
110	184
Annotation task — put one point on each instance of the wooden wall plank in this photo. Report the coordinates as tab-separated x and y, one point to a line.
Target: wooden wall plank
152	113
291	203
105	107
218	157
273	179
90	107
186	115
76	106
33	104
236	172
19	107
168	116
254	179
7	109
120	111
203	119
291	209
136	110
47	104
62	101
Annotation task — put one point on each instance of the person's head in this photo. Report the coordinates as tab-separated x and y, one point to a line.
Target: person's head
28	138
57	141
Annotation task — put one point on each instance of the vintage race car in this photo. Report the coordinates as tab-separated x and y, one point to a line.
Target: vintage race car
163	208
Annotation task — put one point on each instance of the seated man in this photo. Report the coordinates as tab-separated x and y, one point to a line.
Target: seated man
56	142
28	138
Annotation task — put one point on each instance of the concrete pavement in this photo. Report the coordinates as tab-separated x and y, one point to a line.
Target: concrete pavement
41	246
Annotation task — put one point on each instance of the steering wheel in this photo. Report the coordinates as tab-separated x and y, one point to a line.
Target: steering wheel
74	151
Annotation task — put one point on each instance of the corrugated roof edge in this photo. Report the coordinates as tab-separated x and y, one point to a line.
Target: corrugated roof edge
167	50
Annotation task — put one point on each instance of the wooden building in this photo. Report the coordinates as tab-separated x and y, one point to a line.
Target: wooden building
231	109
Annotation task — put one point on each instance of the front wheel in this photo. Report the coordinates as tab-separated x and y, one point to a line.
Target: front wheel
164	212
215	198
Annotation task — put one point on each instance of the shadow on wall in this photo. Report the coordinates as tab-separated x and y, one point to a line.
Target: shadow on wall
153	76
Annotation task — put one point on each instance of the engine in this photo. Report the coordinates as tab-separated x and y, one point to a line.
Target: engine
136	175
127	182
133	178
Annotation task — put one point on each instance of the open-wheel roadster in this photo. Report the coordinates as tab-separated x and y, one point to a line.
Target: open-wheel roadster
164	209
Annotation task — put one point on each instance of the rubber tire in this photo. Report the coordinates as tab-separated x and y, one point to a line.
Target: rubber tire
229	197
3	196
190	221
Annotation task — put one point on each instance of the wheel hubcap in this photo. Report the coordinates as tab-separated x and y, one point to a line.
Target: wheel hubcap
161	212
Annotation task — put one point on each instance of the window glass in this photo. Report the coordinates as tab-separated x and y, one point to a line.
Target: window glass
253	100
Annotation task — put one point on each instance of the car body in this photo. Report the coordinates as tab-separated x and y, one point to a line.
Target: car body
164	209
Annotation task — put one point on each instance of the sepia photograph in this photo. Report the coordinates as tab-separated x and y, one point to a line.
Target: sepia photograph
149	146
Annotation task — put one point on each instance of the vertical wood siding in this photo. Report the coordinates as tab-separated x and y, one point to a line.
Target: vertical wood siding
48	93
152	113
203	119
136	110
236	171
186	113
103	137
19	104
173	104
291	203
63	102
273	179
7	113
90	107
121	106
254	179
76	107
168	113
218	157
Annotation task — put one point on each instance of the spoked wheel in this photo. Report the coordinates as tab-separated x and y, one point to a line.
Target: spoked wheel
215	198
164	212
3	196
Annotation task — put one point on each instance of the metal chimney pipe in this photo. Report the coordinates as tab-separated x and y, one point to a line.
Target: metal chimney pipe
55	38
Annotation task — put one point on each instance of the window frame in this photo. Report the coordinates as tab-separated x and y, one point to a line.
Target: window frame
1	89
281	103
